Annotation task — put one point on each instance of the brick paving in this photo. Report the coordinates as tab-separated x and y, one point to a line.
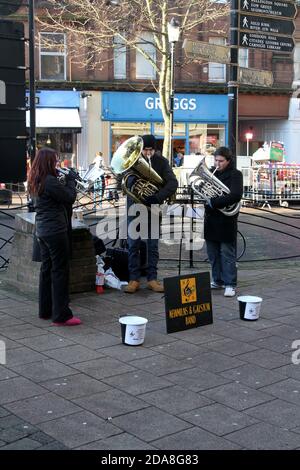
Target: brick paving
228	385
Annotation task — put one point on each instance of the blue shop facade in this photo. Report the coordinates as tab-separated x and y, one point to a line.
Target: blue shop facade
200	120
58	122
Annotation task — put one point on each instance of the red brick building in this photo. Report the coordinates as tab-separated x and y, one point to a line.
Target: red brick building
110	109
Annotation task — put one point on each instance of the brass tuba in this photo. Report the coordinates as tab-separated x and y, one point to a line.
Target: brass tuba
206	185
128	159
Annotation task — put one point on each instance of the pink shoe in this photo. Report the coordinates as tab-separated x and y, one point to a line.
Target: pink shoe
71	322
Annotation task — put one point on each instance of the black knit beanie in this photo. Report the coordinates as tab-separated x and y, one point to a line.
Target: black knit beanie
149	141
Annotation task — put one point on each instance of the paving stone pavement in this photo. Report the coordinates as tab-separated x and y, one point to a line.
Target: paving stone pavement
228	385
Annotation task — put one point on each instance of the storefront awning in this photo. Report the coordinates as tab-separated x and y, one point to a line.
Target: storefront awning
56	119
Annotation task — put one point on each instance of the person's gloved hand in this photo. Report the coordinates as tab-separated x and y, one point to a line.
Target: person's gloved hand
209	203
72	175
131	180
151	200
208	206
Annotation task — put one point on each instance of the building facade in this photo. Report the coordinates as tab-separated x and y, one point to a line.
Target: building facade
118	99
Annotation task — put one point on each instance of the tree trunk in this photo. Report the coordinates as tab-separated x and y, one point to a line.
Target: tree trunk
164	94
167	137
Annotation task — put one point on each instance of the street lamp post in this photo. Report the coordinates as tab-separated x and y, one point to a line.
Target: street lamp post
173	37
233	78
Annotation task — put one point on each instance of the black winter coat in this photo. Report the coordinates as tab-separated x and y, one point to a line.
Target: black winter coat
217	226
53	206
170	184
161	166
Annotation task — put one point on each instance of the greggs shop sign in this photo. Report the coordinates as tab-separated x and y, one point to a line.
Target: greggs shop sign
182	103
187	301
145	107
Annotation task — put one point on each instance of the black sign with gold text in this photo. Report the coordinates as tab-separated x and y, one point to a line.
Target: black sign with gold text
187	301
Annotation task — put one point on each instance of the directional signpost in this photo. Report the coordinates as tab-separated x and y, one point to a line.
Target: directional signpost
267	42
206	51
267	25
255	77
278	8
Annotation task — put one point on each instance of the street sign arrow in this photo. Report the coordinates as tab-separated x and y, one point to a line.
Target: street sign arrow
267	42
206	51
279	8
267	25
256	77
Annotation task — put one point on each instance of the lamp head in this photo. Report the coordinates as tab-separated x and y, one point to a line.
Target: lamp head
249	135
173	30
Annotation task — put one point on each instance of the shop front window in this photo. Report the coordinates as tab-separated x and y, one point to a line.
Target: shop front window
63	143
122	131
66	143
204	139
178	129
178	138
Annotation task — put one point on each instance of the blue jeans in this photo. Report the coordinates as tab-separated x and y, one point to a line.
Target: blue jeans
134	260
134	264
222	258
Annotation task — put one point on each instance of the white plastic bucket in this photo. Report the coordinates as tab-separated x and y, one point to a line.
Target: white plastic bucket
133	329
249	307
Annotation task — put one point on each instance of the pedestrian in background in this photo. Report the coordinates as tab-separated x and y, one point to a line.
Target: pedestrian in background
220	231
178	159
52	201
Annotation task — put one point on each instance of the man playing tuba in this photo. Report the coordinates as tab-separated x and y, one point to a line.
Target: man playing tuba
168	187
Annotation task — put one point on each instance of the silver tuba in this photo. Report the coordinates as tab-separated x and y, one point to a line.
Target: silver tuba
128	159
206	185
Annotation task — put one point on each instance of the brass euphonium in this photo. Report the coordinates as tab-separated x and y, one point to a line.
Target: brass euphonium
206	185
128	160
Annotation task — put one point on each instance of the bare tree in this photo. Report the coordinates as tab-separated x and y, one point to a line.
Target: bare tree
93	26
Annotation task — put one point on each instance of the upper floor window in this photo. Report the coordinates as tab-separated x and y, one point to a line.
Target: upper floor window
217	72
144	69
296	82
119	58
52	56
243	57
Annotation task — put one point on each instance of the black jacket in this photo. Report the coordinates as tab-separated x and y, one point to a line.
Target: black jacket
161	166
217	226
52	206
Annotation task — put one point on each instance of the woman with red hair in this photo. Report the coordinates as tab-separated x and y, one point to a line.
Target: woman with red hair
51	199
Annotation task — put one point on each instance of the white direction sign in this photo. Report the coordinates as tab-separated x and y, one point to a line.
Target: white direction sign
206	51
255	77
279	8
